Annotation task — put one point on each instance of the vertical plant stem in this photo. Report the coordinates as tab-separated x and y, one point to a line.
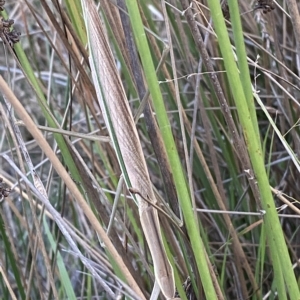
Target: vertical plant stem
164	125
242	60
280	256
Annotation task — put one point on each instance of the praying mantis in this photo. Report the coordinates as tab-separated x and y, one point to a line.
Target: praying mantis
124	136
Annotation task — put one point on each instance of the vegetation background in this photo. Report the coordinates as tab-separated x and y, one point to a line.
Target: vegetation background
214	89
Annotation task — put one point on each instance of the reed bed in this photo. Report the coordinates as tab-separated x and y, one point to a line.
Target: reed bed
149	149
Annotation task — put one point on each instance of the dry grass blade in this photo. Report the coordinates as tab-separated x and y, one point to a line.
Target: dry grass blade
11	292
23	115
126	142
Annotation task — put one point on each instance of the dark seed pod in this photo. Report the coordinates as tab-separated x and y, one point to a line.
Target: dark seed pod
11	36
225	10
7	23
4	192
265	5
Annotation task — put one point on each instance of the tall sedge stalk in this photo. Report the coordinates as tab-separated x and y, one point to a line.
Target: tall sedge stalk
279	252
163	121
